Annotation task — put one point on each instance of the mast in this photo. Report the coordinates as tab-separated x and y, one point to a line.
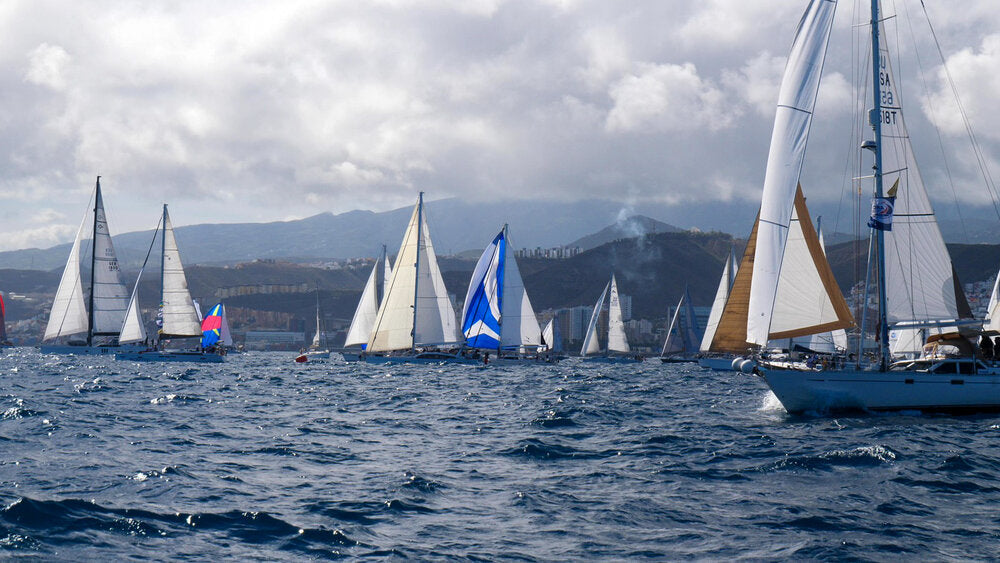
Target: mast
500	290
316	338
93	263
163	260
416	268
875	117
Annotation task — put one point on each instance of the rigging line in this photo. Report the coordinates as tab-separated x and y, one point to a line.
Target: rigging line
937	130
976	148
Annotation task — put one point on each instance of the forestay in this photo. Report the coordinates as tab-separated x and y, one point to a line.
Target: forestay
590	342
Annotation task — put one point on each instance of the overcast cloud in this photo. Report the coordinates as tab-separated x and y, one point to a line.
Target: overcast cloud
236	111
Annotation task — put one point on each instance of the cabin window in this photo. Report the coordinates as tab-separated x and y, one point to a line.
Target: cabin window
947	367
967	368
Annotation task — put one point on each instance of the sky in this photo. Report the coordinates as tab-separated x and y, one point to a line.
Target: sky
235	111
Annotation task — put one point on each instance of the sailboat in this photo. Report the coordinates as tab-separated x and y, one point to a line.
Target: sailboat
3	324
415	322
215	330
497	315
100	313
552	338
363	320
178	316
681	344
915	280
617	350
716	359
315	352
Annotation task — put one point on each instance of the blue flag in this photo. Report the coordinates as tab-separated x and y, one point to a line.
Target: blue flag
882	208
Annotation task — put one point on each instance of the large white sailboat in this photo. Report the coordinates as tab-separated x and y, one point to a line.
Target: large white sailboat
497	315
179	318
617	349
97	316
415	322
916	284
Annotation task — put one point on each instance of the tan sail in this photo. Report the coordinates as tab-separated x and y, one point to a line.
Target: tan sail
808	300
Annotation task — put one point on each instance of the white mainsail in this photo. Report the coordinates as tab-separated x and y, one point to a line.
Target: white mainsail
519	325
920	284
364	315
617	342
548	334
719	304
672	345
590	342
416	309
69	315
179	315
792	120
111	298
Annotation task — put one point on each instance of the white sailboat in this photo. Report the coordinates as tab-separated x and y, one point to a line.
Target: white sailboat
97	316
315	352
681	343
363	320
718	359
497	314
179	318
916	284
617	350
551	337
415	321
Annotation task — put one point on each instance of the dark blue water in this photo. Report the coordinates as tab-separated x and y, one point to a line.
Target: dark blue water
262	458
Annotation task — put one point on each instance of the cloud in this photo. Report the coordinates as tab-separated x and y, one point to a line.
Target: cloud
975	74
667	98
47	66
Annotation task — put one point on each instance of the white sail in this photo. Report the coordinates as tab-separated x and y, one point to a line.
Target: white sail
590	342
416	309
364	315
387	274
111	298
920	284
225	336
617	342
132	329
993	309
672	344
548	334
69	314
316	335
179	315
803	300
519	326
792	120
719	304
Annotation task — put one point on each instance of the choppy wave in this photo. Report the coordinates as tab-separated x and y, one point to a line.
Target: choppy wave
259	458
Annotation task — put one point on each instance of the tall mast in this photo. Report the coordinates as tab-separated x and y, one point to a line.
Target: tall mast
875	117
163	260
93	263
416	268
500	292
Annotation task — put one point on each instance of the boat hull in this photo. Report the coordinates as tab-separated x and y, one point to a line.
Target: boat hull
408	359
716	364
170	356
65	349
611	360
677	360
827	391
315	356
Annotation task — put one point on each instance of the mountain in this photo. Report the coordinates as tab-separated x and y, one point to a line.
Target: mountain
456	226
634	226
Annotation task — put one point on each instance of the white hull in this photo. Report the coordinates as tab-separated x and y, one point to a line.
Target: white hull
717	364
824	391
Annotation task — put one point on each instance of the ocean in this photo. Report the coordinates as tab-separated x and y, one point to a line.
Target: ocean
264	459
